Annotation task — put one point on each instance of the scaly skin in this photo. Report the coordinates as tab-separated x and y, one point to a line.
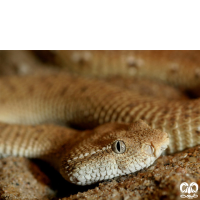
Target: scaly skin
86	157
180	68
75	101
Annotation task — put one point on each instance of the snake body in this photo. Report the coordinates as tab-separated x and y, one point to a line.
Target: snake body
179	68
29	105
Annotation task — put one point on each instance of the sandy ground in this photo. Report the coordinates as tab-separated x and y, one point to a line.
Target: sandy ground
21	178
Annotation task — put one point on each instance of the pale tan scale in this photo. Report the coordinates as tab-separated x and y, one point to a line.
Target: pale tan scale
147	109
151	112
113	105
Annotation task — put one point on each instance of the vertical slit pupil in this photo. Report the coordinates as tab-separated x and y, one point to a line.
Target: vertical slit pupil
118	146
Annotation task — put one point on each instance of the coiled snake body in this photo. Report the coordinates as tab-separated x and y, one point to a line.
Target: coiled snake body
29	105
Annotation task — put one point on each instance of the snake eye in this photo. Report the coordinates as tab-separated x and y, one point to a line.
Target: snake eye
119	146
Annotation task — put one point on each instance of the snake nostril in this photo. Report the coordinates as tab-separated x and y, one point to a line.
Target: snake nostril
162	148
149	149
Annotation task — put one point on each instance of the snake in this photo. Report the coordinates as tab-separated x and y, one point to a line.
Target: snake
118	131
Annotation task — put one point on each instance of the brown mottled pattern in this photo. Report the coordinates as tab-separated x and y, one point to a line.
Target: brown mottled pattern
86	103
180	68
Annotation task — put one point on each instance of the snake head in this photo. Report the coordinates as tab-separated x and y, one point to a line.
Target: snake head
111	150
153	141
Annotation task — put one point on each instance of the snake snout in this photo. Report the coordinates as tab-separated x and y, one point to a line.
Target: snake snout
161	148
